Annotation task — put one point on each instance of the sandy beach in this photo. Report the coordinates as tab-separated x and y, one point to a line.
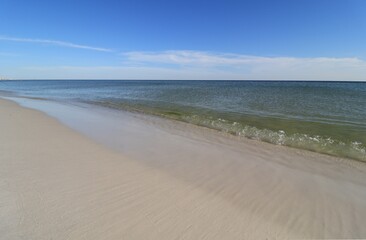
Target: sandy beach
61	177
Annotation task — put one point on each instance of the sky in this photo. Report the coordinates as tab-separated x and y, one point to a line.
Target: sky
183	39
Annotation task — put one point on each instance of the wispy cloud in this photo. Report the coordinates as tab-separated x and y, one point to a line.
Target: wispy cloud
54	42
197	65
199	58
237	66
118	72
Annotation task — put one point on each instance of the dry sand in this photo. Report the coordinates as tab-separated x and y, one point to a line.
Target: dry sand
56	183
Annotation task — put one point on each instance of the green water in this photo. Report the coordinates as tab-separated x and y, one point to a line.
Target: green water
325	117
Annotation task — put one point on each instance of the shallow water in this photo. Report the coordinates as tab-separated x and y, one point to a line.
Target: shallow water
325	117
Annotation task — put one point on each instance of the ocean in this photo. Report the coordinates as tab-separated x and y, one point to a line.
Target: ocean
324	117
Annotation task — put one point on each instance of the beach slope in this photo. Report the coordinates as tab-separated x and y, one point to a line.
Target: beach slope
58	184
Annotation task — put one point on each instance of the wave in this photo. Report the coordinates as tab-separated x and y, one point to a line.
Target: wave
252	127
316	143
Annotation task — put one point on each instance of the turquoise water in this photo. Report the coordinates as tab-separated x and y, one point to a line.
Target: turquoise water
325	117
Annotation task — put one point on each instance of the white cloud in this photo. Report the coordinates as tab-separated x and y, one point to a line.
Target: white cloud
256	67
54	42
197	65
120	72
216	59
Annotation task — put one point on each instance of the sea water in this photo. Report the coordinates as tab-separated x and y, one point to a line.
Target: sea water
325	117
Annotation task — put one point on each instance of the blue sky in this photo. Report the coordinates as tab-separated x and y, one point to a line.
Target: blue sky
257	39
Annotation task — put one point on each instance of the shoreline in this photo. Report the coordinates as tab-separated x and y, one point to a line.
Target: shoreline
336	130
105	115
174	182
148	117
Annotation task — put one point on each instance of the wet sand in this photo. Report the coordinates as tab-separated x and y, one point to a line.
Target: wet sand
89	175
